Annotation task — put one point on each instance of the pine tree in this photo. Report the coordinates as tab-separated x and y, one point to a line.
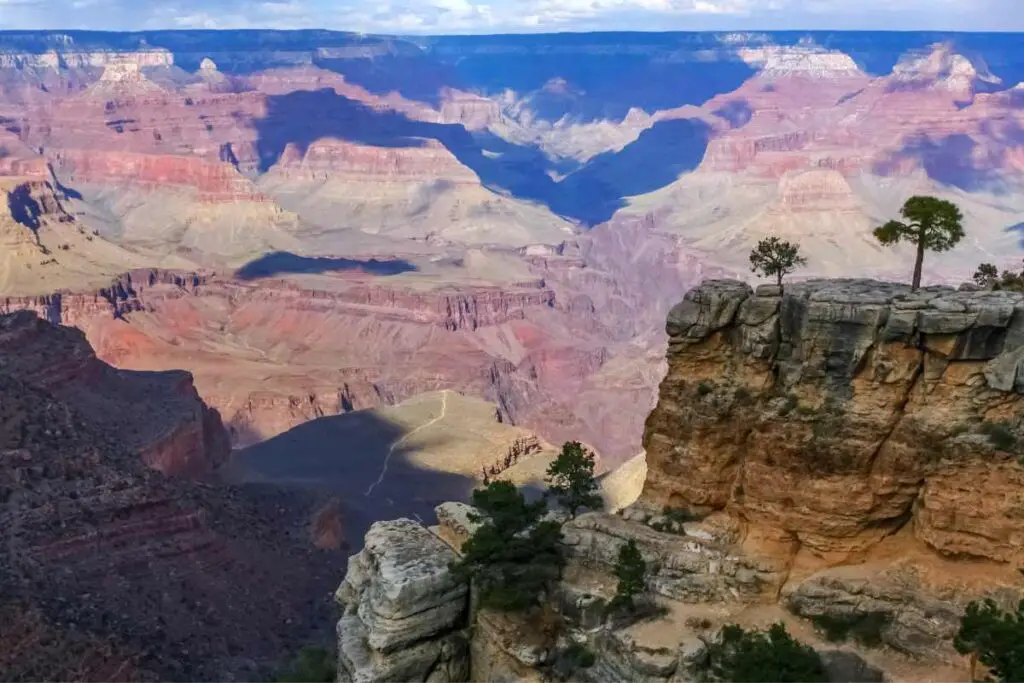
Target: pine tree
513	557
631	569
995	638
773	257
571	479
930	224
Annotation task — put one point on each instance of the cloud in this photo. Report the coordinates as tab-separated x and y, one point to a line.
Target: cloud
484	16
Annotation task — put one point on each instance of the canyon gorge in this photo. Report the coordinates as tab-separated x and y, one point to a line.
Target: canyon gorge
345	221
262	291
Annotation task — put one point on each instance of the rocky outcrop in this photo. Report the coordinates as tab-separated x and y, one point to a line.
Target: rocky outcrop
836	412
402	609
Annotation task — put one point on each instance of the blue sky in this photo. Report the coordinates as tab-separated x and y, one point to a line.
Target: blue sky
490	16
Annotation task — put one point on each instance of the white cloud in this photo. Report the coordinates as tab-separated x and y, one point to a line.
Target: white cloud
482	16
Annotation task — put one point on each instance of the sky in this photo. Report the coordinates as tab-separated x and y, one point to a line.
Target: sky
495	16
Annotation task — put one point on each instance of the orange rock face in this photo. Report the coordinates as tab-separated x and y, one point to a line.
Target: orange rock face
843	411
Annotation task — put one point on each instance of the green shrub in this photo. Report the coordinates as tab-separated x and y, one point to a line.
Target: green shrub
679	515
743	656
704	388
570	479
313	665
805	411
999	435
743	396
631	570
866	629
580	655
994	638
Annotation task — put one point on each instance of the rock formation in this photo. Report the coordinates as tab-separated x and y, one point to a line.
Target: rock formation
402	609
843	451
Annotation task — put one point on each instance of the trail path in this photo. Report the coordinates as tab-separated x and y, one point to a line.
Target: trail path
403	439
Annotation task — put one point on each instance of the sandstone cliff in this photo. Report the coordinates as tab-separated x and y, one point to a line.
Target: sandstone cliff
840	412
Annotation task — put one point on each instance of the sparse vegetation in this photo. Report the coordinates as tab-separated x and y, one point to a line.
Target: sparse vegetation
999	435
865	629
743	656
571	479
513	557
988	276
704	388
776	258
631	570
930	224
994	638
313	665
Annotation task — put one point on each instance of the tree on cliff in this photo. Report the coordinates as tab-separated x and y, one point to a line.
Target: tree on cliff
571	479
929	223
995	638
773	257
513	557
631	569
742	656
988	276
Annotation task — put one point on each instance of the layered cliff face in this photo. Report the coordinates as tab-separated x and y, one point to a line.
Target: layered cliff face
110	570
842	410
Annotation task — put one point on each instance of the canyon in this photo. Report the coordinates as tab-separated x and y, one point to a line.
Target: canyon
371	218
843	451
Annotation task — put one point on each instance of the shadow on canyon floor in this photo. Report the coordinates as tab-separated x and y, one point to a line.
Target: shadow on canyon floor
590	195
285	263
358	457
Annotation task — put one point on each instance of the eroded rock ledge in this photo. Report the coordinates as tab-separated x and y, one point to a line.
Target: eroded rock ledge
839	411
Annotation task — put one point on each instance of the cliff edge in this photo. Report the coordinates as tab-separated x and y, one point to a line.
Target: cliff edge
840	411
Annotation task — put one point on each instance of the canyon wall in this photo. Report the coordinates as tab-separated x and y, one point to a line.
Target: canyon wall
112	571
159	415
837	452
838	412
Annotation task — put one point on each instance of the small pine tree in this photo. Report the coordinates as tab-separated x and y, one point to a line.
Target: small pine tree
754	656
930	224
987	275
513	557
571	479
631	569
995	638
773	257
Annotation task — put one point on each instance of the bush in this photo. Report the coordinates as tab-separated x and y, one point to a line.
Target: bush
704	388
313	665
994	638
865	629
999	435
753	656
